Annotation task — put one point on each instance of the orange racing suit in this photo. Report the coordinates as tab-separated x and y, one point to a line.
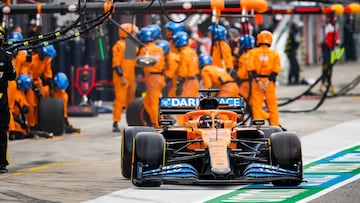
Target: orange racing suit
125	84
264	63
16	103
188	71
154	80
187	84
21	66
214	76
171	72
173	49
242	75
222	55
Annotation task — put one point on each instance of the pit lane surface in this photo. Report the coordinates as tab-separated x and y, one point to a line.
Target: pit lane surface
86	166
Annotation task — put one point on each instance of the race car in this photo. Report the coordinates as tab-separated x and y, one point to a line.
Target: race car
211	148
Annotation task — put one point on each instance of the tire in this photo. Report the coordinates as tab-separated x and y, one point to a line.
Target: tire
128	135
268	130
136	114
286	153
51	115
148	150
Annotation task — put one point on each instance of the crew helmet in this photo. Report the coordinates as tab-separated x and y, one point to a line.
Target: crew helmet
205	59
61	81
145	35
246	42
218	32
24	82
48	50
129	28
15	37
181	39
164	45
175	27
264	37
156	31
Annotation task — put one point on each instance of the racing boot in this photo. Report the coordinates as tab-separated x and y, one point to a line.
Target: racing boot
3	169
116	127
69	128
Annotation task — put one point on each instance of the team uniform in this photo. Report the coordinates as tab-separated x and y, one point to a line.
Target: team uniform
123	65
264	66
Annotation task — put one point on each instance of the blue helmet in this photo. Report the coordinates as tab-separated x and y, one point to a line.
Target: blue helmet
24	82
15	37
61	81
156	31
205	59
218	32
48	50
164	45
246	42
175	27
181	39
145	34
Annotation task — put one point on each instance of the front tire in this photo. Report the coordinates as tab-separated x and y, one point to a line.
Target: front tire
286	153
128	135
149	150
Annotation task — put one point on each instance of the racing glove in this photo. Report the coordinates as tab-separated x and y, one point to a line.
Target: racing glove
179	84
37	91
24	110
253	74
272	76
49	82
167	80
118	70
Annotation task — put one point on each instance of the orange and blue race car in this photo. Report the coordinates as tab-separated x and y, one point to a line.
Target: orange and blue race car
212	147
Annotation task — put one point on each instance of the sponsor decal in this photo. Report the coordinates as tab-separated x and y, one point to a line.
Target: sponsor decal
193	102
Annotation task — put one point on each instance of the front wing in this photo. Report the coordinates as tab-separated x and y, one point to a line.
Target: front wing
187	174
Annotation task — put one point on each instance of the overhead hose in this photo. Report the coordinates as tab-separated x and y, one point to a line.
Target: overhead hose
57	36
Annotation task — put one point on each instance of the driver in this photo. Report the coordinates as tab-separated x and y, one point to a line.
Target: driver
205	121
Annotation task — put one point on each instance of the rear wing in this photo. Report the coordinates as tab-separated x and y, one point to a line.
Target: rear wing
182	105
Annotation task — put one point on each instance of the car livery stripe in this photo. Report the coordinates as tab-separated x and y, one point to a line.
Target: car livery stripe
321	175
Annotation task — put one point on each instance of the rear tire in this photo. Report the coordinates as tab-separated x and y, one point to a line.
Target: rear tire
128	135
149	149
286	153
51	115
136	114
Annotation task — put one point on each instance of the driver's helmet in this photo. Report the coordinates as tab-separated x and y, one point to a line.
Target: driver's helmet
205	121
